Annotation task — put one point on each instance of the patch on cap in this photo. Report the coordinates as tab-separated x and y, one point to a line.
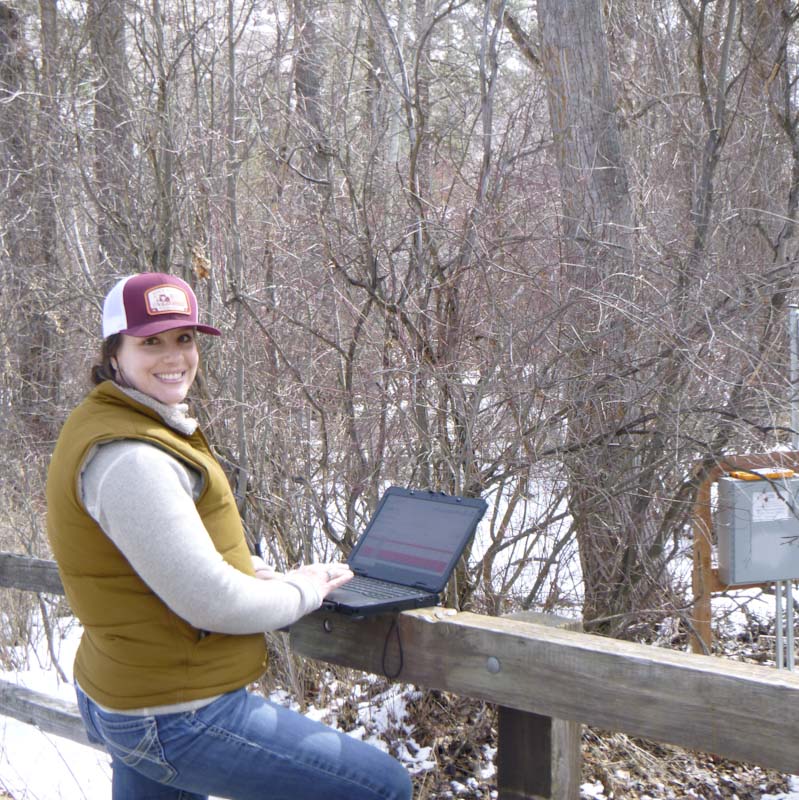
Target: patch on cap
167	299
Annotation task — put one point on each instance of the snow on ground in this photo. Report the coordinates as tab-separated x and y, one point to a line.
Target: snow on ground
595	791
39	766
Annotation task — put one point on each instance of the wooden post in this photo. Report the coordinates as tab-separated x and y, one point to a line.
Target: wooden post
702	634
538	757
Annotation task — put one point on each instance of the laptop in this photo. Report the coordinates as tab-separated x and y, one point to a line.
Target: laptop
408	551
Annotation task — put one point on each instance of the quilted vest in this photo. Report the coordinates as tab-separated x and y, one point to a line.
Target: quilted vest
135	652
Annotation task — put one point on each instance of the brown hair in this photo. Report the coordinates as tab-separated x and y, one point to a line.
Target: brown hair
104	370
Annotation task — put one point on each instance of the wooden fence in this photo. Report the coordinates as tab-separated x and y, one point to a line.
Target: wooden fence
546	679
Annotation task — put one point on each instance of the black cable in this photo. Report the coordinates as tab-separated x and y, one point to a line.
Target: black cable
393	628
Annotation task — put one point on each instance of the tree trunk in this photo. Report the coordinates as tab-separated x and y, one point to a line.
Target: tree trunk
308	75
597	262
106	21
28	226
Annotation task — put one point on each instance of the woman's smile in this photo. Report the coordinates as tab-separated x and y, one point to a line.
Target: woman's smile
162	366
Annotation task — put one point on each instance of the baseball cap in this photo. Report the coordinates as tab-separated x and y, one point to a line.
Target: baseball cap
150	303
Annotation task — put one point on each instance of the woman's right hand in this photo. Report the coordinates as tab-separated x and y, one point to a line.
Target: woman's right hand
326	577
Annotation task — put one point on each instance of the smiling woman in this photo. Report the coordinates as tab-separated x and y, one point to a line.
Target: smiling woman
154	562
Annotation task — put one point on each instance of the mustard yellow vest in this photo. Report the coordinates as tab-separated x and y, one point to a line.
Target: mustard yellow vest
135	652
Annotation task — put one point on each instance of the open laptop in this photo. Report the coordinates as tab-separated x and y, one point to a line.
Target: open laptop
408	551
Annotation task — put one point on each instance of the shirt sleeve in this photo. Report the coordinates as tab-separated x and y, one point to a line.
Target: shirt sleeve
142	498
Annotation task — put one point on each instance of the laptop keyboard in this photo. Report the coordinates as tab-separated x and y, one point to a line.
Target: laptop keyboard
374	587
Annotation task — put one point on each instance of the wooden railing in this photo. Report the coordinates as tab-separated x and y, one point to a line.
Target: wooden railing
50	714
546	679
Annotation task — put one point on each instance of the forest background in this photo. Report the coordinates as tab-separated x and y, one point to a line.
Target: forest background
541	252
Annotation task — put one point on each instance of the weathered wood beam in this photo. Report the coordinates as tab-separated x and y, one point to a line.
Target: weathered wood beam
49	714
739	711
30	574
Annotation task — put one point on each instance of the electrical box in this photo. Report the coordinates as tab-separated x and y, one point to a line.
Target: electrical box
757	528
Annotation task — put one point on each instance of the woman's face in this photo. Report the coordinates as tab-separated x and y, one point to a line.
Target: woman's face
162	366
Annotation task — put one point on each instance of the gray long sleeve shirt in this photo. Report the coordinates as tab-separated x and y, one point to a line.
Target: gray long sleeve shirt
133	489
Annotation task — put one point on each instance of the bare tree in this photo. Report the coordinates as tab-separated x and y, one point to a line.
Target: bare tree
109	182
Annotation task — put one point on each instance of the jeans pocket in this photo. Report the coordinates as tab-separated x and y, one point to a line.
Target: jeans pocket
135	742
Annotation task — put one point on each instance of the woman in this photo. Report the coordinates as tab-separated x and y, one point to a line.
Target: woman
154	562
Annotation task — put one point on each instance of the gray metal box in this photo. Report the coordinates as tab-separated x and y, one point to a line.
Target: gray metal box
757	527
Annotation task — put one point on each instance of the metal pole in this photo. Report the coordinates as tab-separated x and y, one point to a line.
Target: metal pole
779	657
793	321
789	648
793	331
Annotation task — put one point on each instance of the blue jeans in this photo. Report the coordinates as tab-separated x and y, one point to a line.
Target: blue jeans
243	747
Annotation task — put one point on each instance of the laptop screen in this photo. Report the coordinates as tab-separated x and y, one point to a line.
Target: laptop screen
416	537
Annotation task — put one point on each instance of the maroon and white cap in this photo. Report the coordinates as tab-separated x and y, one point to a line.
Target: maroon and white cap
150	303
